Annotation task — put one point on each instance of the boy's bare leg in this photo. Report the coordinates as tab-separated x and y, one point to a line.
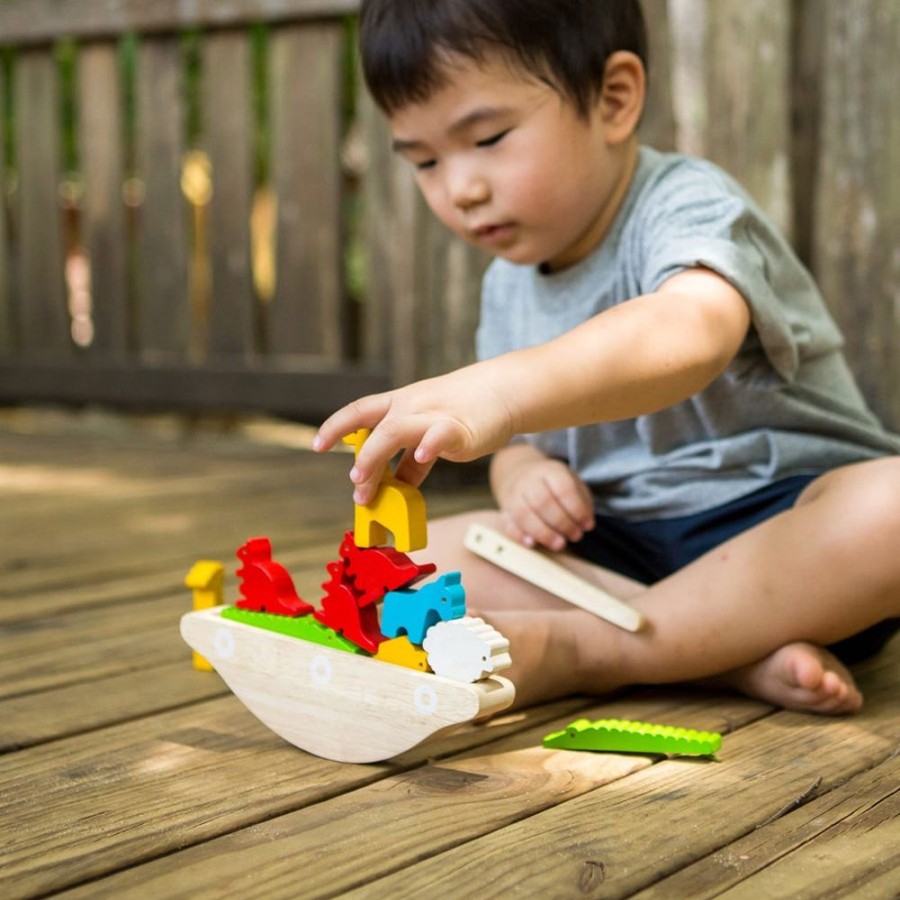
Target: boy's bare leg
755	612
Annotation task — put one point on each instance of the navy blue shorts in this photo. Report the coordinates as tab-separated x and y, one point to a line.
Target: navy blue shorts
651	550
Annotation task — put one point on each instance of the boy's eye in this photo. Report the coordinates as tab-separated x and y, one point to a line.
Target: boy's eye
426	164
493	139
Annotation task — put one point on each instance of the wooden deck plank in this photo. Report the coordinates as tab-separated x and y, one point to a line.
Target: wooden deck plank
459	797
59	712
124	515
136	793
631	833
130	793
89	645
847	840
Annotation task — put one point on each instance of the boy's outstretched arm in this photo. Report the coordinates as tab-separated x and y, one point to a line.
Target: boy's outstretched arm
637	358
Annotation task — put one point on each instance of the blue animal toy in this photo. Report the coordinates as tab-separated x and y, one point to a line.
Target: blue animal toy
413	612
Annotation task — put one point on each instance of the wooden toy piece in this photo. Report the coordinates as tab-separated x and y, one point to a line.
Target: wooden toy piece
401	652
265	584
343	610
398	508
540	570
415	611
466	649
342	706
377	570
305	628
623	736
205	579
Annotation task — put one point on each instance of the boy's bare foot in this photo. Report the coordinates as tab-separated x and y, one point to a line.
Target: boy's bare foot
799	676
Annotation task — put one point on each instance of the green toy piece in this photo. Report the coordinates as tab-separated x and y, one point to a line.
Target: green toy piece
622	736
304	627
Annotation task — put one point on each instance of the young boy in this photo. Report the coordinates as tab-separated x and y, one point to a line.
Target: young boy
692	435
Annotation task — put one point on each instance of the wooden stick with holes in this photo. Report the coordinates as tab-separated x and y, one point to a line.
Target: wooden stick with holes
538	569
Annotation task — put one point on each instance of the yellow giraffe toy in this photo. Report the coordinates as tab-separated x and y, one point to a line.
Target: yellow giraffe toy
398	508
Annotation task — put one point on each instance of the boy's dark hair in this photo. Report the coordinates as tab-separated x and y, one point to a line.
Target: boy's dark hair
564	43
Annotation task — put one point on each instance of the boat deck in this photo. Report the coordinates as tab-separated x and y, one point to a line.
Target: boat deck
126	773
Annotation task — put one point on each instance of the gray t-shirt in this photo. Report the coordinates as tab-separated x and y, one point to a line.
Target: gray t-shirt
786	405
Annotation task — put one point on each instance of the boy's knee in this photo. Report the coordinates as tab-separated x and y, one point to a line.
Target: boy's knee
862	508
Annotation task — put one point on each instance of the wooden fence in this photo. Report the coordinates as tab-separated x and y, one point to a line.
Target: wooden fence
795	97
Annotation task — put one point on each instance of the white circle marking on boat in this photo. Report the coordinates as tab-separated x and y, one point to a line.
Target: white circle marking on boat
223	643
425	699
320	670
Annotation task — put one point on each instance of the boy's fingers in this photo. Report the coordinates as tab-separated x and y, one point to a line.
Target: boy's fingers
442	439
535	530
412	472
366	412
574	498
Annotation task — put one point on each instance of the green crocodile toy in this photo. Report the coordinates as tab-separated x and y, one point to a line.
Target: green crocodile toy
623	736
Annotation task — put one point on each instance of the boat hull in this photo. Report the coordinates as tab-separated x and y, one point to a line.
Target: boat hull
331	703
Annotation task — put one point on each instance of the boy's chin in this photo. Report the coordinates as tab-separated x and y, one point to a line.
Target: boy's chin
518	256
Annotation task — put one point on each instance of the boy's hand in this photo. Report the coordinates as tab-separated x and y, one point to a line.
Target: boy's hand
543	501
457	416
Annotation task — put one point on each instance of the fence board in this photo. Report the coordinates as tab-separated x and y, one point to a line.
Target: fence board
749	108
421	320
42	314
377	236
42	21
658	123
448	295
228	131
5	279
858	200
163	309
306	313
807	42
100	136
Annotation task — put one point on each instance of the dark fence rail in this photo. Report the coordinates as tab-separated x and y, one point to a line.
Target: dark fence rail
794	97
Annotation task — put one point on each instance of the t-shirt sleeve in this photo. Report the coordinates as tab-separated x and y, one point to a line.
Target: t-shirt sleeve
698	219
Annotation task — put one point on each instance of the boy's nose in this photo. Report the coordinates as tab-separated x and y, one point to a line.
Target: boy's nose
467	191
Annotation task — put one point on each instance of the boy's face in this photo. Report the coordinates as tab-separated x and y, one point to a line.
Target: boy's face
509	165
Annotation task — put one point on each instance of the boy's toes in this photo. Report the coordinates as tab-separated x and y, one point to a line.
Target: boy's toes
800	676
835	695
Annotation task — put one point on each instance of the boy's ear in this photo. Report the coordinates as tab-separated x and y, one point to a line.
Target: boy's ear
622	96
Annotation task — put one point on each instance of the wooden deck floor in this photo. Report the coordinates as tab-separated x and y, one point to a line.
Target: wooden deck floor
125	773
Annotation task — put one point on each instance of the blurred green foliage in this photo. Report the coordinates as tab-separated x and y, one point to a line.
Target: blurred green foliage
66	52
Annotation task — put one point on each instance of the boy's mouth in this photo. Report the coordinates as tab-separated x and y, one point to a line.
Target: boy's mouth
493	234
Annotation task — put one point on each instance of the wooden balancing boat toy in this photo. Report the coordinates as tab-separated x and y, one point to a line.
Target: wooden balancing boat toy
340	705
342	681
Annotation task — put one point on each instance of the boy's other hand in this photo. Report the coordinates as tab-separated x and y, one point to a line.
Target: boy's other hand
544	503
